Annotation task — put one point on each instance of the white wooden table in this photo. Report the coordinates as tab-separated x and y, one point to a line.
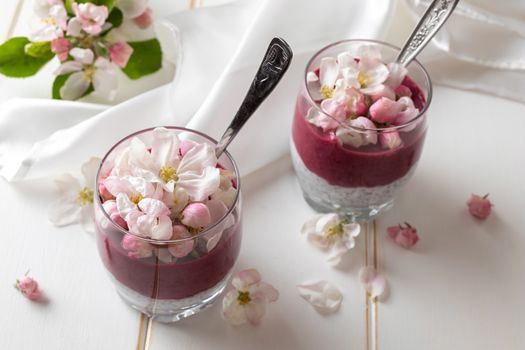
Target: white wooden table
461	287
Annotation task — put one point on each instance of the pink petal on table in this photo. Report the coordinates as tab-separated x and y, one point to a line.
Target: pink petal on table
479	207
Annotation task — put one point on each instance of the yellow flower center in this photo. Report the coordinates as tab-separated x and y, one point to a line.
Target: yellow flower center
335	230
168	173
50	20
136	198
88	73
363	79
86	43
243	298
85	196
326	91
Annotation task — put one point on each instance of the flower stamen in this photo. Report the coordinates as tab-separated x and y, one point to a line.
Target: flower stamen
363	79
326	91
136	198
335	230
168	173
243	297
85	196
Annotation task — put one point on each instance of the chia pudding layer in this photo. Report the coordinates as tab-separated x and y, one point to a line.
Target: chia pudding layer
320	190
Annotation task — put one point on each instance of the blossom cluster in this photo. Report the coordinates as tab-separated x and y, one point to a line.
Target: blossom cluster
77	42
170	190
80	34
361	91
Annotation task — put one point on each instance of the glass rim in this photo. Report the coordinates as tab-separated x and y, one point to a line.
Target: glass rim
356	128
98	202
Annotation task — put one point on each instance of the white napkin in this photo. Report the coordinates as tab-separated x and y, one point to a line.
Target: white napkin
227	42
481	47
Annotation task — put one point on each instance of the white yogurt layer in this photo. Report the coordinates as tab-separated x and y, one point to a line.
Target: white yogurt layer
157	307
319	190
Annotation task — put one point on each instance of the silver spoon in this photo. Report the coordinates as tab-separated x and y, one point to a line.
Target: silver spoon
275	63
435	16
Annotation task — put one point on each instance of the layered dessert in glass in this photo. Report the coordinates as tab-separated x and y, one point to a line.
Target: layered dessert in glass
359	127
168	220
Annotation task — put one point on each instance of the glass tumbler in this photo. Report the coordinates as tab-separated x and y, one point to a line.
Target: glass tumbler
357	181
160	286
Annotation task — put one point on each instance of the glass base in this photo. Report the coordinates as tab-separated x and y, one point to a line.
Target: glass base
353	214
168	311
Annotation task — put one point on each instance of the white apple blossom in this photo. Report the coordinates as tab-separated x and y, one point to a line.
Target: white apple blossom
75	203
330	232
52	20
195	173
247	301
86	71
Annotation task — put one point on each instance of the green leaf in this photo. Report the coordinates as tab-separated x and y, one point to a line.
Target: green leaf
39	49
16	63
145	59
60	80
115	18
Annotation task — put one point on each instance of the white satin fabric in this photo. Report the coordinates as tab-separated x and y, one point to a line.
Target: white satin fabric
481	47
222	48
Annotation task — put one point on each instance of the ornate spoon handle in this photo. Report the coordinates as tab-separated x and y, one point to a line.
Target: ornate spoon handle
435	16
275	63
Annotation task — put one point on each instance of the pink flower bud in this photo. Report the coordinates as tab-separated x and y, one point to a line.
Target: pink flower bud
390	140
385	110
110	207
61	47
120	52
28	287
180	250
196	215
144	20
479	207
406	236
136	247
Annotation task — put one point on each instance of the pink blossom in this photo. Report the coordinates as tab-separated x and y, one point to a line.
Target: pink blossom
385	110
185	146
355	102
390	139
180	250
144	20
110	207
406	236
136	247
61	47
28	287
196	215
247	301
91	17
479	207
151	221
120	52
336	108
103	190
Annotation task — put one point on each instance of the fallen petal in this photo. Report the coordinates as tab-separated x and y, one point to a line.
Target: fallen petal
322	295
373	282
